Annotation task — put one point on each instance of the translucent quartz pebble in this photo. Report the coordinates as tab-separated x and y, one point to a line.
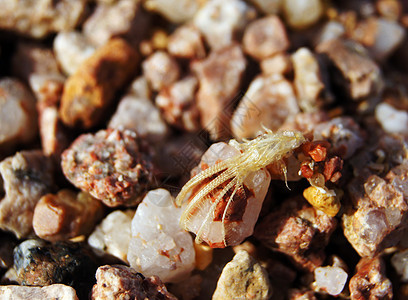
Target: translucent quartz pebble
158	245
71	49
330	279
301	14
113	234
392	119
221	21
400	263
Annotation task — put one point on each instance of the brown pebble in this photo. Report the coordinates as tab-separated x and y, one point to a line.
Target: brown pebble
66	215
361	76
370	281
298	230
265	37
219	77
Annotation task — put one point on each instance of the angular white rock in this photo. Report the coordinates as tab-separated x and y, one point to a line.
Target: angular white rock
308	82
113	234
218	20
140	115
123	18
389	36
71	48
187	42
392	119
300	14
400	263
176	11
53	291
158	245
331	30
330	279
160	70
178	105
18	116
269	101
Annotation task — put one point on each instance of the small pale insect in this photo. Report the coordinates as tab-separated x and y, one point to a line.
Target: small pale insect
224	200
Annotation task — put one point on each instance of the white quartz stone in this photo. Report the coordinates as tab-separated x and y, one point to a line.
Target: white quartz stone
71	48
300	14
269	101
53	291
113	234
176	11
389	36
140	115
331	30
219	20
158	245
308	82
400	263
330	279
392	119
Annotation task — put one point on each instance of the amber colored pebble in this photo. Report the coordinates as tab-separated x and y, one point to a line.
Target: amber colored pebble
324	201
204	256
89	92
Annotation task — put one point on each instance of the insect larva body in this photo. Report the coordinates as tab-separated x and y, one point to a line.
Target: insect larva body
224	200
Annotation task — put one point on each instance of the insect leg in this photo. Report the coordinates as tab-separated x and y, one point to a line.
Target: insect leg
181	197
224	233
201	195
210	213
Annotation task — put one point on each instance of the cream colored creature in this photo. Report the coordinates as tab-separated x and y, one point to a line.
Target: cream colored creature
226	180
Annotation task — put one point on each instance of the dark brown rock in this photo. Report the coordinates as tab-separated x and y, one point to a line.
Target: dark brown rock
38	263
298	230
